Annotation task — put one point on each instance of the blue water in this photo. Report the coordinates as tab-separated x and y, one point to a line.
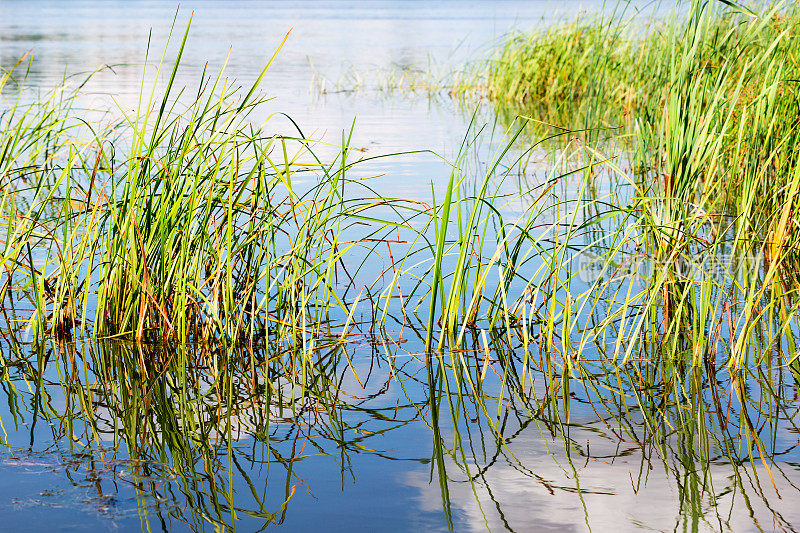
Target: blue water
372	465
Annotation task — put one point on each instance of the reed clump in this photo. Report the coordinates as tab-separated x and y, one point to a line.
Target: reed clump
197	225
703	103
189	221
693	119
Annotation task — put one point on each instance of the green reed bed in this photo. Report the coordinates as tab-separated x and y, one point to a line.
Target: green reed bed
229	236
696	114
703	103
180	223
681	240
189	222
232	273
185	221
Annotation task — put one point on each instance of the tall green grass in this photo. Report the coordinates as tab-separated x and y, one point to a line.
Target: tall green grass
183	221
694	117
190	222
702	103
225	268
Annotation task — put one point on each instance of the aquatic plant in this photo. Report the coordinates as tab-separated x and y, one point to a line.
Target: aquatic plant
194	276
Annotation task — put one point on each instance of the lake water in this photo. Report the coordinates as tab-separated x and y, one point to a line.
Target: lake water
369	463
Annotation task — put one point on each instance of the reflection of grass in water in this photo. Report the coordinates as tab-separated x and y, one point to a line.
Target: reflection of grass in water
201	442
688	422
194	440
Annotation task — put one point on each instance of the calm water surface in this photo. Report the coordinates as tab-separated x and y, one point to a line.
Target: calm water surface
369	464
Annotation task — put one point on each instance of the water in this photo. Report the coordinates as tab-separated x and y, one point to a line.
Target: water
327	39
365	455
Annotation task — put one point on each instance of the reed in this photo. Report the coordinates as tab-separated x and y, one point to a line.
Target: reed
194	275
181	226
